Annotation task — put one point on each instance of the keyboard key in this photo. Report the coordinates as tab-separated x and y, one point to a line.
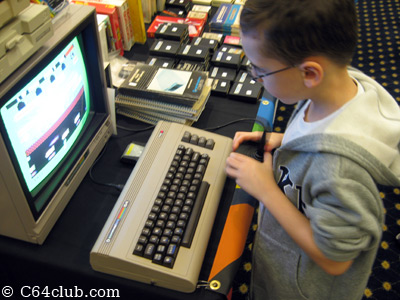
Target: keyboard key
149	251
169	261
194	139
157	231
176	239
186	209
172	250
167	233
163	216
178	231
186	137
170	225
181	223
152	216
139	249
158	258
176	210
184	216
202	141
160	223
143	240
164	240
154	239
196	157
169	201
146	231
149	224
210	144
161	249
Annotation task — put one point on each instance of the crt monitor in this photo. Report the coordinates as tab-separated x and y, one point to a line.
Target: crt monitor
54	121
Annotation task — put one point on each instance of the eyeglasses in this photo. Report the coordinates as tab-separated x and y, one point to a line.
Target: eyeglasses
252	68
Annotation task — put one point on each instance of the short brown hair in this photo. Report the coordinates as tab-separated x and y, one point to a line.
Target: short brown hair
295	29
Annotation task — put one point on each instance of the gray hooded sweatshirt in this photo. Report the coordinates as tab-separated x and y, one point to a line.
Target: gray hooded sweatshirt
330	172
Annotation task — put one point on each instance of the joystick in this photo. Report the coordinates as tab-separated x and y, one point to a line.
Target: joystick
254	149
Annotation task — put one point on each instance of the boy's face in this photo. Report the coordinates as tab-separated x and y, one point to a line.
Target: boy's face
287	85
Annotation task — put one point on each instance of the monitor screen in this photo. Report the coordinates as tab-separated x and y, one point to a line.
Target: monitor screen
44	119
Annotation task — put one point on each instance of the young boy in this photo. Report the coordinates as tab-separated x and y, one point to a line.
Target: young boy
321	216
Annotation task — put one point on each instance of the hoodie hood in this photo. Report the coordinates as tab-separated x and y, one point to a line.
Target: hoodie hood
366	129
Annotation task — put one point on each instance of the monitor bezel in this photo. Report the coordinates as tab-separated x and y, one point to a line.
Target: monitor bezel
97	114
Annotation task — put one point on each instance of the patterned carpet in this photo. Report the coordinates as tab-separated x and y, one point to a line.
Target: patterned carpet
378	55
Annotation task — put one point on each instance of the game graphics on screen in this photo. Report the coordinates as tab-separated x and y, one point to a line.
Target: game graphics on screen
40	123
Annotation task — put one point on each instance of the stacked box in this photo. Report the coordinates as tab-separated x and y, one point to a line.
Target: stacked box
165	48
227	19
162	62
245	63
137	19
194	52
222	73
197	15
204	42
187	65
173	31
185	5
196	26
247	92
229	59
125	22
220	87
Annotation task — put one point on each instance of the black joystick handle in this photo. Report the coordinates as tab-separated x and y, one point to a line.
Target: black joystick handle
259	155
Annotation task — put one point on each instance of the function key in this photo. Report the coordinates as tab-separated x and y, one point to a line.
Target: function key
194	139
210	144
202	141
186	137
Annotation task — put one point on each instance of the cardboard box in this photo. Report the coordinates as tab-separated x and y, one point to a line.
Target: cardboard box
196	26
124	19
112	13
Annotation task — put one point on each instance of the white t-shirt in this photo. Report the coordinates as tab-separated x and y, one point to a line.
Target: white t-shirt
300	127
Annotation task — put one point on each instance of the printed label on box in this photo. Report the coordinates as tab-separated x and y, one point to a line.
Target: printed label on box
238	88
158	46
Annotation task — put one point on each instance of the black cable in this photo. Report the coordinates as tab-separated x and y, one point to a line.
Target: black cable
119	187
230	123
132	131
135	130
261	121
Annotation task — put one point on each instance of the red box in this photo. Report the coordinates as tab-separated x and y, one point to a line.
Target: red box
196	26
111	11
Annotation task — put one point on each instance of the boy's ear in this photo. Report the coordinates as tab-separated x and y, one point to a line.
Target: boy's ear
312	73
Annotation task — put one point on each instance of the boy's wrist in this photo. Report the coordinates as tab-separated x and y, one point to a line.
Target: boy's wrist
271	192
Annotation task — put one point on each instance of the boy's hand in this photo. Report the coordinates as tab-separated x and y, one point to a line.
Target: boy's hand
251	175
242	136
275	139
